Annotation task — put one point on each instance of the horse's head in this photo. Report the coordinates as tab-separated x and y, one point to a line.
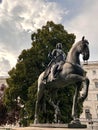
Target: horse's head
84	48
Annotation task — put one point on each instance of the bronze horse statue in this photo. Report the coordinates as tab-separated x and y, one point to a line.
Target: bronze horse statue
71	73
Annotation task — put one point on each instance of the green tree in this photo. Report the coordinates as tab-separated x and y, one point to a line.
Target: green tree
22	79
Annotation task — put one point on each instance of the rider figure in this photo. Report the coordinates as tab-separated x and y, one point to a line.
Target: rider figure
59	57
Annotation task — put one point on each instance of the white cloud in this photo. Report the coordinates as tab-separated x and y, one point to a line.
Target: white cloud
4	54
4	66
17	18
85	24
31	14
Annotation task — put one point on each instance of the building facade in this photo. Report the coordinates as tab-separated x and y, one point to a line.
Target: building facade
90	106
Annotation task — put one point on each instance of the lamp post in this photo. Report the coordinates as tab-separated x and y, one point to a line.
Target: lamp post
90	120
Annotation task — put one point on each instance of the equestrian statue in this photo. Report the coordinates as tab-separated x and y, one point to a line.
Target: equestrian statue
65	71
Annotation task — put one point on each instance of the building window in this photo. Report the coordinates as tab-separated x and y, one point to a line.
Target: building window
94	72
97	97
96	84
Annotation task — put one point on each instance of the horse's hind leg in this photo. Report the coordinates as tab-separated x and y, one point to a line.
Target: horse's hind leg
40	92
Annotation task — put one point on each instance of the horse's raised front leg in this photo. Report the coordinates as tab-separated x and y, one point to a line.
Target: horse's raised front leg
77	99
40	93
74	78
84	90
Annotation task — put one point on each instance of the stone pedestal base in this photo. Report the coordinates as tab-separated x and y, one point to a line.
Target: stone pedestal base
76	124
50	125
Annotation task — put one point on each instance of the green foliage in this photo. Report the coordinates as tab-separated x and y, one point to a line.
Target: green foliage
3	113
22	79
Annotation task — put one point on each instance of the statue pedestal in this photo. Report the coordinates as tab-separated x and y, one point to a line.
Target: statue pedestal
50	125
76	124
59	125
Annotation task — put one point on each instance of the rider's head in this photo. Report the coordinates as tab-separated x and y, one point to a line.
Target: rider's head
59	45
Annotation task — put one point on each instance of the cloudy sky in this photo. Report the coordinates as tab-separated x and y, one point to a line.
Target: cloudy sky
18	19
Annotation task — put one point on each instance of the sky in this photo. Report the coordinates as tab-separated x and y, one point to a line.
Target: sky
19	19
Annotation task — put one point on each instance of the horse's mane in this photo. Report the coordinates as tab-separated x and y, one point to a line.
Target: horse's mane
74	45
